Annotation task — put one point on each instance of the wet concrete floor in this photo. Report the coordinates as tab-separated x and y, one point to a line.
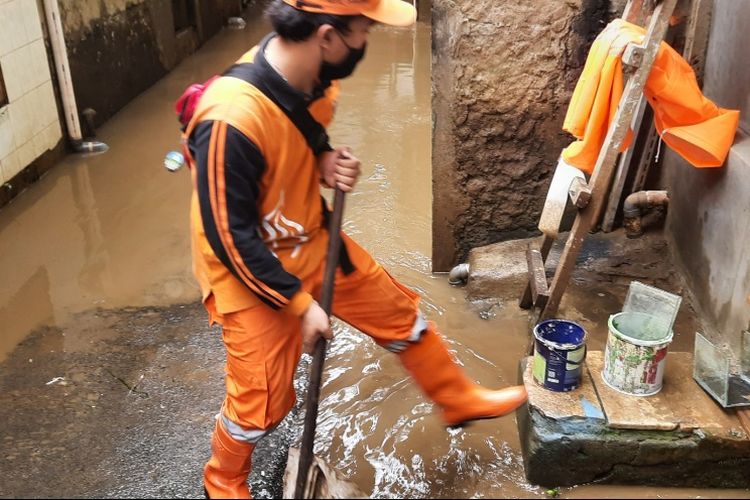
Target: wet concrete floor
110	377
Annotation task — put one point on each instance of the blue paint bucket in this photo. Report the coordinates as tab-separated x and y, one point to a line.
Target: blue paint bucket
559	351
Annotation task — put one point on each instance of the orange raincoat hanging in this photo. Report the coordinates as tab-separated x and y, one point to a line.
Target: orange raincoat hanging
691	124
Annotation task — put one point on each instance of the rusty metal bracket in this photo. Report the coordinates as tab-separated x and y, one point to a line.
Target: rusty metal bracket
579	193
633	55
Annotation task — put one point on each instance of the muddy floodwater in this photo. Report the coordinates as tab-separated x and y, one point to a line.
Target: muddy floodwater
110	377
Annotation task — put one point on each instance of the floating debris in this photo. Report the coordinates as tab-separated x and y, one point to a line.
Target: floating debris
57	381
236	23
173	161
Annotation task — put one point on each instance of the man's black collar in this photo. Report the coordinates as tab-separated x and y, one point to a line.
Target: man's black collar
285	94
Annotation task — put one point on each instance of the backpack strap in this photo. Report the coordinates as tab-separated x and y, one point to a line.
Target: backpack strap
314	133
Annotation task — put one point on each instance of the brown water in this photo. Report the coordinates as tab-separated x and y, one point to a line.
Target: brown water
111	231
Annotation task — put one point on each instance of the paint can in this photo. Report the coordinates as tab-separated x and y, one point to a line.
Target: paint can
636	352
559	351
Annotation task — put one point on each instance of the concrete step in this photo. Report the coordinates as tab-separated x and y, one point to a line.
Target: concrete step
678	437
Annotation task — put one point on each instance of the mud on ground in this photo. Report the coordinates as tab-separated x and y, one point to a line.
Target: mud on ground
120	403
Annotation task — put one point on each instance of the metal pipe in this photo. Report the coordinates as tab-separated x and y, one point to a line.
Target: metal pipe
633	206
459	274
64	80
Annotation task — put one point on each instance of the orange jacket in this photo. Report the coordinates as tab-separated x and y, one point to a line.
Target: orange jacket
256	212
686	120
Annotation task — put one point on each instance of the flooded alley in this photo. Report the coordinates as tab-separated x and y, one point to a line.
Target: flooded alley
111	377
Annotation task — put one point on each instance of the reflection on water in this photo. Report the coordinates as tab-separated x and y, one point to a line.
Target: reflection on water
374	426
109	230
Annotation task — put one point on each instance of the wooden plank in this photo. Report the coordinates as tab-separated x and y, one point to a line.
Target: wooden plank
681	404
696	36
628	412
694	51
526	299
651	154
604	169
537	277
322	481
634	12
579	193
623	166
580	403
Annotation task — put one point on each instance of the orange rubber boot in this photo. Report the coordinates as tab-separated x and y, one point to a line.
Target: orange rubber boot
225	474
443	381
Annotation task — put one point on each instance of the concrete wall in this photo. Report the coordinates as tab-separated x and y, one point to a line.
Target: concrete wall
119	48
29	122
709	215
503	73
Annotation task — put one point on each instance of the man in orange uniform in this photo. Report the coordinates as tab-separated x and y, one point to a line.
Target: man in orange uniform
259	237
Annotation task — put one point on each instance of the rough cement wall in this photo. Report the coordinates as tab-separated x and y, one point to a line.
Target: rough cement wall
119	48
709	213
503	73
113	52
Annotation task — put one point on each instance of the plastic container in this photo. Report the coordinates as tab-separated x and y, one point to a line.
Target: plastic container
236	23
174	161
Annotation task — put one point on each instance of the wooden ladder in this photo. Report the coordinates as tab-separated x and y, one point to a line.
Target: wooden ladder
590	198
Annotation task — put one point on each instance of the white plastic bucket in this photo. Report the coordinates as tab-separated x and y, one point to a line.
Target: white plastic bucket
635	357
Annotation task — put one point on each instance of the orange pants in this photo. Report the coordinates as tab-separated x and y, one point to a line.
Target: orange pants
264	345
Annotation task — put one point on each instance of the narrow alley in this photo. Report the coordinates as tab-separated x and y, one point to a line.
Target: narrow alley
111	377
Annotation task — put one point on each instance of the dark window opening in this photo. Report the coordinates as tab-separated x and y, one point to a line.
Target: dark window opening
3	92
183	14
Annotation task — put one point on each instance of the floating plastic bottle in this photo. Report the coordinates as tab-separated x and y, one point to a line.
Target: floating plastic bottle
174	161
236	23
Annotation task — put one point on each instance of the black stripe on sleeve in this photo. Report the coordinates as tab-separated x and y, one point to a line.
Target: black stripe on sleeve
243	168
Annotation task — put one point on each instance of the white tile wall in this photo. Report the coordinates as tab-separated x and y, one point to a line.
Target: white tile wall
52	134
25	155
7	40
25	68
30	16
40	144
9	166
22	119
38	64
14	33
16	72
29	124
38	100
48	109
6	133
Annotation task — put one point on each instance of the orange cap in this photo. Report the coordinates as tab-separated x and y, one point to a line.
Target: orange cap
393	12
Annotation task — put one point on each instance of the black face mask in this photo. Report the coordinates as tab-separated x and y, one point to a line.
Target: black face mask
345	68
